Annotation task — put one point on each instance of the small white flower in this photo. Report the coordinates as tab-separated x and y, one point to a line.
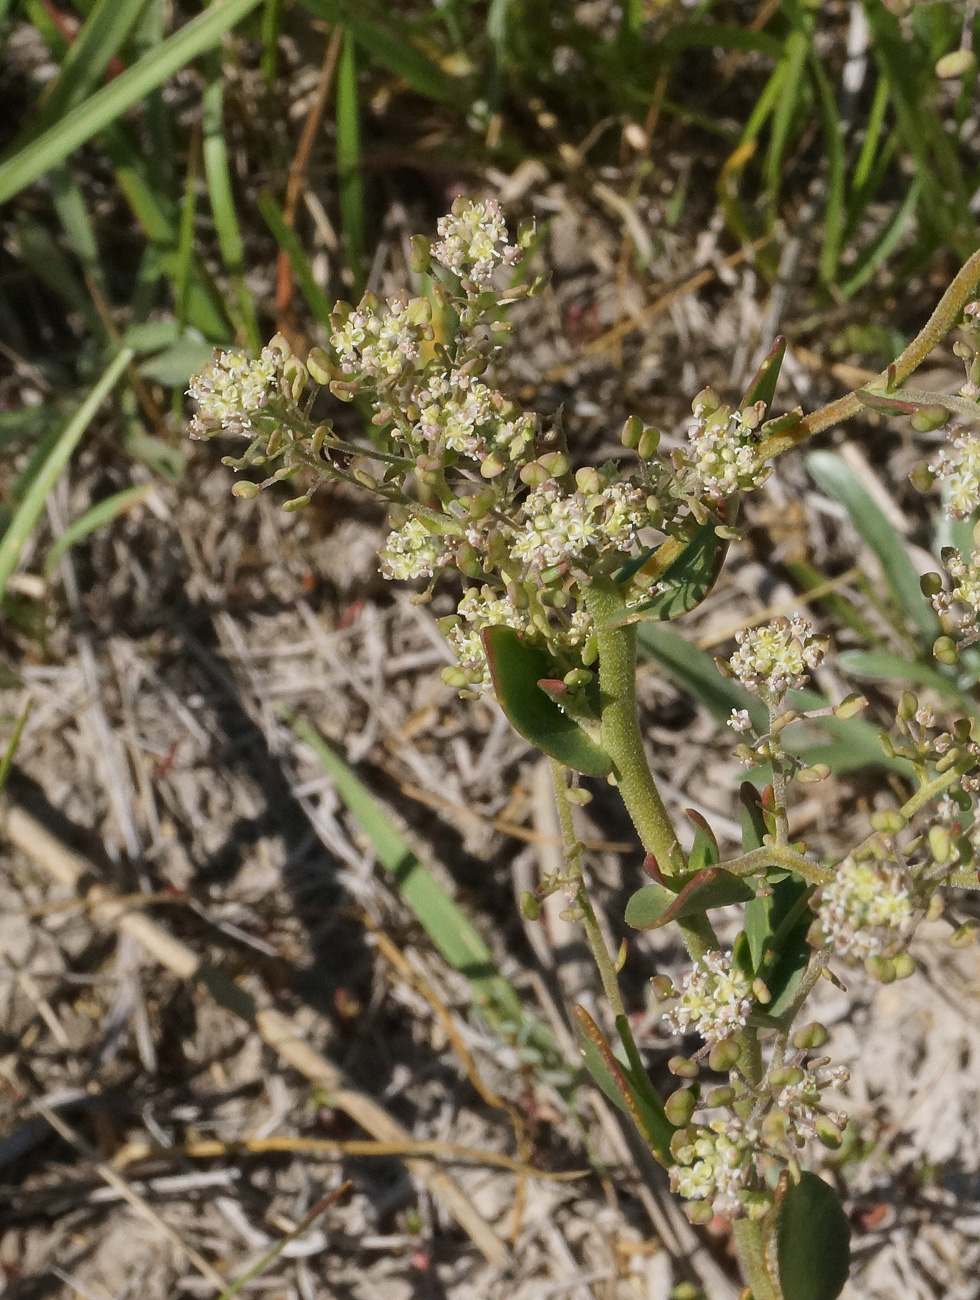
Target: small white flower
868	909
473	240
716	998
413	551
232	389
775	658
714	1162
958	469
740	720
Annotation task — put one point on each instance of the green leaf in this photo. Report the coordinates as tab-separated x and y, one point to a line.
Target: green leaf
175	365
776	927
687	581
29	510
444	922
835	477
97	516
813	1241
516	667
392	49
655	905
704	851
881	665
763	386
111	101
635	1098
350	176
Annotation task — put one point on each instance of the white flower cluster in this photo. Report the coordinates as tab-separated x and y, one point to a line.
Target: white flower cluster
722	457
958	469
560	528
413	551
380	344
464	415
868	910
715	999
801	1103
714	1162
478	609
233	388
964	590
473	241
776	658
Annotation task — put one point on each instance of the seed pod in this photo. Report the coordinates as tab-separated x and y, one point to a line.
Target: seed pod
663	988
760	991
811	1036
699	1212
828	1132
683	1067
931	584
297	503
928	418
421	254
632	432
881	969
320	366
965	935
888	821
724	1055
679	1107
946	650
720	1096
245	489
903	965
787	1076
530	905
648	444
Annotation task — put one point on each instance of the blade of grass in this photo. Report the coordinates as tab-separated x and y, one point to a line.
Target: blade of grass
792	84
390	46
13	744
319	303
881	665
276	1250
835	477
222	200
97	516
442	920
28	512
869	261
350	180
834	148
69	203
106	105
271	22
100	37
185	233
855	742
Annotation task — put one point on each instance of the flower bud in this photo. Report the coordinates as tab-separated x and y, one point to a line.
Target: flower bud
808	1037
530	905
679	1107
579	796
956	64
760	991
683	1067
724	1055
908	705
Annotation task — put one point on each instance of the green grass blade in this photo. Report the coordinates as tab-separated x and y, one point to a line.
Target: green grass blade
271	22
222	199
69	203
883	666
319	303
836	170
792	85
87	58
97	516
869	261
872	136
28	512
106	105
388	47
839	481
350	179
13	744
442	920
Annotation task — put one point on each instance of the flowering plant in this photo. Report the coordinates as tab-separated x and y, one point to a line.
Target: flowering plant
559	565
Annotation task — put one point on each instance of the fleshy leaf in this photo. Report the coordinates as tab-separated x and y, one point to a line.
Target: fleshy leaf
617	1082
763	386
690	577
704	851
516	667
813	1241
654	906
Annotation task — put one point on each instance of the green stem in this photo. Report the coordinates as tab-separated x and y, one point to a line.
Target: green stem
748	1235
942	320
771	855
621	737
